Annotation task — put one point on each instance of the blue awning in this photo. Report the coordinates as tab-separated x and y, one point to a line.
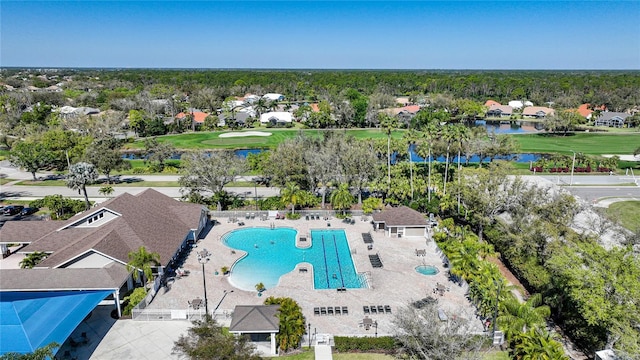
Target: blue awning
31	320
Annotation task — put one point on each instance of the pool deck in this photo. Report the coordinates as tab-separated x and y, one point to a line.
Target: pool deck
395	284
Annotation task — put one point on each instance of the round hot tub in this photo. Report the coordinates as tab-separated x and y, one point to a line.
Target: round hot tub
427	269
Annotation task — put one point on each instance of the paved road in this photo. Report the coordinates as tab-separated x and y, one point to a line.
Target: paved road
591	193
592	179
12	191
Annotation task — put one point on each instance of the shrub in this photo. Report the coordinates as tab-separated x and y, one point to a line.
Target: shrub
386	344
134	299
291	216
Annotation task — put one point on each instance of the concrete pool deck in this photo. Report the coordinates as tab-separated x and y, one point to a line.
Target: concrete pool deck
396	284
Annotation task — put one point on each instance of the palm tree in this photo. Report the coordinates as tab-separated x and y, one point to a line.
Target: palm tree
520	317
341	198
106	190
32	259
448	135
537	344
411	137
291	194
463	137
431	131
80	175
388	124
141	261
292	323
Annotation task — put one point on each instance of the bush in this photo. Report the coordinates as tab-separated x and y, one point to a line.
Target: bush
291	216
134	299
270	203
386	344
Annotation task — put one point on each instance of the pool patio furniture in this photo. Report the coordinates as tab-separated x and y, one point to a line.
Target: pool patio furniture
337	310
380	309
323	311
366	309
330	310
374	309
316	311
375	261
387	309
345	310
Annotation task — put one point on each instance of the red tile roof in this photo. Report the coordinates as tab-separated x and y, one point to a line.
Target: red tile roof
198	116
491	102
584	110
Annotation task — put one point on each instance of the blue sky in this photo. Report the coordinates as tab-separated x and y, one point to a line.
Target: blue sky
322	34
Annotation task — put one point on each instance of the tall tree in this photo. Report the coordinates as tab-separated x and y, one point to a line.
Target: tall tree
157	152
292	323
210	171
207	340
422	335
105	155
388	124
141	261
291	195
80	175
30	156
341	198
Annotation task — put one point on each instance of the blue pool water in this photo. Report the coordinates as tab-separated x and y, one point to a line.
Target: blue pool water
272	253
427	270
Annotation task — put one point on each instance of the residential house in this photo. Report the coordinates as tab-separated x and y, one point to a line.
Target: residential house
538	112
197	117
273	97
516	104
276	117
585	111
499	111
490	103
611	119
400	221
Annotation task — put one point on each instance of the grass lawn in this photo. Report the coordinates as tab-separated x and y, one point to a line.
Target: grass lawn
4	181
587	143
496	355
309	355
211	140
122	184
628	212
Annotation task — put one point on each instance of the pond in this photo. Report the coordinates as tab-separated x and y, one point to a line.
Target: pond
509	127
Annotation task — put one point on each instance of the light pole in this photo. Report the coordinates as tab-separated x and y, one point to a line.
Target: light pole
255	192
203	258
495	312
309	334
220	302
573	165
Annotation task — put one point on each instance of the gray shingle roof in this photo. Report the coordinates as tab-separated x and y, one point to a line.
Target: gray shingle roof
110	277
255	319
400	216
149	219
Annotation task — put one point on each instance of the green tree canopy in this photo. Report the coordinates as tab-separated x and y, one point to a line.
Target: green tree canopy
32	156
207	340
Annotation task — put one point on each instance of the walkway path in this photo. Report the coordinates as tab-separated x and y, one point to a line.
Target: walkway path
323	352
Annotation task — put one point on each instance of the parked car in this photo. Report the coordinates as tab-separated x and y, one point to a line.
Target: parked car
28	211
12	209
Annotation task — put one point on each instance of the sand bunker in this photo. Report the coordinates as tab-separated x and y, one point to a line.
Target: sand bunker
244	133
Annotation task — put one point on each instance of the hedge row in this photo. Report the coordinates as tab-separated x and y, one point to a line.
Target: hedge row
386	344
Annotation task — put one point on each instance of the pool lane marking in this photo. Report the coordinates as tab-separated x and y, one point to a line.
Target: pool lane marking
326	267
338	258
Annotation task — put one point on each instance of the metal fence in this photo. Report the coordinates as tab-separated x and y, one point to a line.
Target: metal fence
167	314
248	214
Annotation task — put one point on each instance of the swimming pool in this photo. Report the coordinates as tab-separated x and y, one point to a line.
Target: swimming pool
272	253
